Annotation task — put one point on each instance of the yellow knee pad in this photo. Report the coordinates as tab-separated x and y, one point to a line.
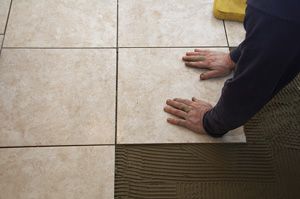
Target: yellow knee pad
233	10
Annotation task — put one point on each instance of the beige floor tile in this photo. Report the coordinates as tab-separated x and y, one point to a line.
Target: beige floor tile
62	23
54	97
147	77
4	8
60	173
235	32
1	39
169	23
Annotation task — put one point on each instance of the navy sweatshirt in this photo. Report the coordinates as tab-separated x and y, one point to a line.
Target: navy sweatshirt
285	9
266	61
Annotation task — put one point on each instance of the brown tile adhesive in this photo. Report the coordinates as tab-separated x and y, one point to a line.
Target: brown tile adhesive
266	167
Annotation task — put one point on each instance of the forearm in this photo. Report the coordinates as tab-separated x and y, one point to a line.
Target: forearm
245	94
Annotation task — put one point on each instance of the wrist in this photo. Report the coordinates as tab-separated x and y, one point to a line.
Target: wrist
230	63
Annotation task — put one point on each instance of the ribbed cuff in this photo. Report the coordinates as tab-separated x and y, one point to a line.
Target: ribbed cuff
235	54
210	126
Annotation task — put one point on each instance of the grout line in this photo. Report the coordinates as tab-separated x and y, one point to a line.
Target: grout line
226	34
8	14
55	48
53	146
117	72
8	47
181	143
175	47
116	99
1	43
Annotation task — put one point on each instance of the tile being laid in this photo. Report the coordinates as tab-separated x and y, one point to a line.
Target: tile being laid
57	172
147	77
235	33
57	97
144	23
62	23
4	9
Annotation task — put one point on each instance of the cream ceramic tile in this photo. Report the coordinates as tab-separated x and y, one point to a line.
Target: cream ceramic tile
235	32
54	97
62	23
4	8
60	173
169	23
147	77
1	39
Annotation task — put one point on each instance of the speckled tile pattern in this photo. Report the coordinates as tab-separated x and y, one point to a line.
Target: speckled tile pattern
62	23
4	8
235	33
57	97
169	23
147	78
61	172
1	39
80	79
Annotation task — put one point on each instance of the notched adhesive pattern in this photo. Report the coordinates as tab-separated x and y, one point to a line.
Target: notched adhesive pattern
266	167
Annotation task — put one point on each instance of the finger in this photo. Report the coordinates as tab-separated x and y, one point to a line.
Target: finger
178	122
184	101
210	74
193	53
178	105
202	65
201	51
194	99
175	112
193	58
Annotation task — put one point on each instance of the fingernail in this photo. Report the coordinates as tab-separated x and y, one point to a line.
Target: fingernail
201	76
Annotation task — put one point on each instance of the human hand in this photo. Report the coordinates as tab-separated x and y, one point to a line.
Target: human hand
218	63
190	113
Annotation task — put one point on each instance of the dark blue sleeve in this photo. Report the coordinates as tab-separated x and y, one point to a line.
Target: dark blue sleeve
264	66
235	54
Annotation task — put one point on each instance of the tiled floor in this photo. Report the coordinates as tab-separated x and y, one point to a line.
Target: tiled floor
147	77
235	33
4	8
78	77
56	23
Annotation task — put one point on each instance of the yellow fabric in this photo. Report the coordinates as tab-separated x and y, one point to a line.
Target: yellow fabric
233	10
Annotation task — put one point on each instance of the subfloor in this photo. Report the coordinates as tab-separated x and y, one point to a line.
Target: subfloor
82	90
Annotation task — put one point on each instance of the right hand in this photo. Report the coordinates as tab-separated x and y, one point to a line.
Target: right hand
219	64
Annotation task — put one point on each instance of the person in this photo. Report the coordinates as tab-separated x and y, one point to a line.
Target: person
266	61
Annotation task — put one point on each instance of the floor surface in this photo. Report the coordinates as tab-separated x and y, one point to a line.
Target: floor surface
80	78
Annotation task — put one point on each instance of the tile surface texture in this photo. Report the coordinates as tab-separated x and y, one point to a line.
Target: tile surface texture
147	77
4	8
144	23
235	32
57	97
71	172
62	23
1	39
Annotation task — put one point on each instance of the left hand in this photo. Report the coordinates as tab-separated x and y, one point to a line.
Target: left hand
190	113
